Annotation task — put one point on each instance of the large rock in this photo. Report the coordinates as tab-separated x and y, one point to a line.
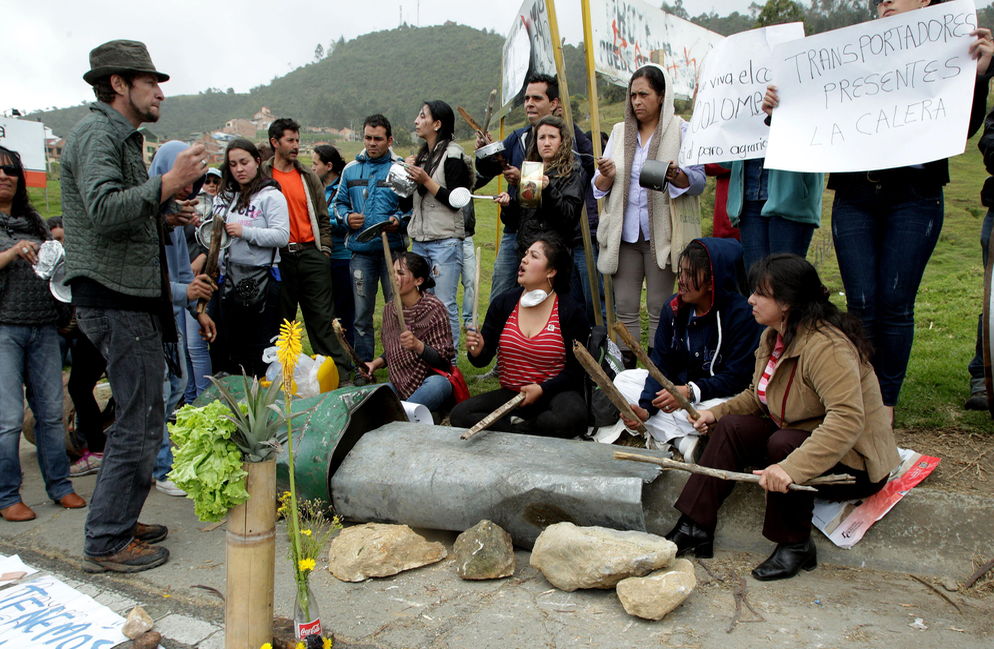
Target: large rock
378	550
574	557
654	596
484	551
137	623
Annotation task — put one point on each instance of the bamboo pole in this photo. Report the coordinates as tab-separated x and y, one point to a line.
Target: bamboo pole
498	226
564	99
604	383
250	557
834	479
595	137
510	404
620	329
476	290
398	304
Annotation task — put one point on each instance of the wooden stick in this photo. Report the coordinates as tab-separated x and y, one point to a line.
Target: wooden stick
491	101
596	373
213	253
360	366
511	404
977	574
472	122
398	304
476	290
654	372
730	475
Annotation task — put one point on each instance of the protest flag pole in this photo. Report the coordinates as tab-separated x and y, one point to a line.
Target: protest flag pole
595	136
564	99
500	187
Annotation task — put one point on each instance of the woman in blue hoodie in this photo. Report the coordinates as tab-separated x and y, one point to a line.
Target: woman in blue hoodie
705	344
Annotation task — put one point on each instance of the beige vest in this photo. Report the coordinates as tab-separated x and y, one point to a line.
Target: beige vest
432	219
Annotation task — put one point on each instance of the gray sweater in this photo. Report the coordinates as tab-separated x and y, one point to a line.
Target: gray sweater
266	223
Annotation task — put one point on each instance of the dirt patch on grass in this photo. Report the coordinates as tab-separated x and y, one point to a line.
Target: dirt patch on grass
967	458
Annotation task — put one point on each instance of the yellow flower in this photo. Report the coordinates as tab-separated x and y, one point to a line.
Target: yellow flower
306	565
326	643
300	645
266	645
305	532
288	351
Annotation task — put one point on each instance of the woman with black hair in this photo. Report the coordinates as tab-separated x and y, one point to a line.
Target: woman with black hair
561	203
412	356
641	233
531	331
258	222
328	164
814	407
437	227
29	351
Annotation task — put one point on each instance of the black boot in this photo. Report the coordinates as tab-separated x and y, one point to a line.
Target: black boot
787	560
691	537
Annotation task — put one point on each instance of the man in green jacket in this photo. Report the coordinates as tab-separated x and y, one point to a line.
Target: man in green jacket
116	267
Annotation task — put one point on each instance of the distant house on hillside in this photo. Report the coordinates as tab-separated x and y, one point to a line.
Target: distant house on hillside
150	146
263	119
240	127
53	148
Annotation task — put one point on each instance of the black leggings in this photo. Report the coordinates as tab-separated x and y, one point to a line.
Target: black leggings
562	415
87	368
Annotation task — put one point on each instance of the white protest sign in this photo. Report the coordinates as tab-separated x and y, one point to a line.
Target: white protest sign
27	138
728	120
887	93
627	32
527	50
45	613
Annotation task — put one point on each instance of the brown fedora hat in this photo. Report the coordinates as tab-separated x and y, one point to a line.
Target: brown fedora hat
114	57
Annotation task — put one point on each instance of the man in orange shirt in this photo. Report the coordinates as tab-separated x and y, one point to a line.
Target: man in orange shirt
304	269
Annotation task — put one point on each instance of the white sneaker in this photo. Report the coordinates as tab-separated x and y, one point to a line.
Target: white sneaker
167	487
688	447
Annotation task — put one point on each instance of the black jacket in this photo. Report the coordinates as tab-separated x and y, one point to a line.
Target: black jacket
562	205
572	319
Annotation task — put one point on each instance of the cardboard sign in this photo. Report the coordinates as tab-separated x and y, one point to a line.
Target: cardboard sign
728	120
887	93
627	32
527	50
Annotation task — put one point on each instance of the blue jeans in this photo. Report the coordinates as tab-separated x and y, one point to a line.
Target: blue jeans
172	389
29	356
434	391
883	240
580	282
468	277
366	271
198	360
444	258
505	276
131	343
764	235
976	366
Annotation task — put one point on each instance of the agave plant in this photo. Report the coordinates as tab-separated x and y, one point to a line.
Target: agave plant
257	418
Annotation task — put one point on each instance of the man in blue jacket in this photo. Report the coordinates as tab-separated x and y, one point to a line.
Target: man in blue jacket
705	344
363	200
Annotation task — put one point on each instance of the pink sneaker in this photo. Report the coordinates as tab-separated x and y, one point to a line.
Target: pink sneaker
89	463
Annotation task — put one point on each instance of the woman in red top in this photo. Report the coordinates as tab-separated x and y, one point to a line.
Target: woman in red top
410	356
531	330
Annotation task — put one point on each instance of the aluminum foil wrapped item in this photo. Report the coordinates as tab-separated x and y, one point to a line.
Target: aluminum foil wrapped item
50	255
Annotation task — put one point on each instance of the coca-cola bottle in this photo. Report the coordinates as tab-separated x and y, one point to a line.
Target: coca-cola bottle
306	618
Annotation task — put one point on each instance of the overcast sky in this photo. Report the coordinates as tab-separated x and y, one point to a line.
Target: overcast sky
221	44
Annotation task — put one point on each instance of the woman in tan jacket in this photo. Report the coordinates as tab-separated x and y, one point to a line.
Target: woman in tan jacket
814	407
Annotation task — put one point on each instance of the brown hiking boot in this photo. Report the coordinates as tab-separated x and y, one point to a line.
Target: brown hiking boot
137	556
150	533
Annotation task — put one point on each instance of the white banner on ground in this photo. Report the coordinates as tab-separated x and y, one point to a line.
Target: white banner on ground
627	32
886	93
728	119
45	612
527	50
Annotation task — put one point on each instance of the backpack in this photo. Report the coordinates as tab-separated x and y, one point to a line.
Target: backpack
600	411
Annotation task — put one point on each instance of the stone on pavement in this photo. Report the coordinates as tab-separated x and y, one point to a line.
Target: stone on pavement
655	595
572	557
137	623
147	640
484	551
380	550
